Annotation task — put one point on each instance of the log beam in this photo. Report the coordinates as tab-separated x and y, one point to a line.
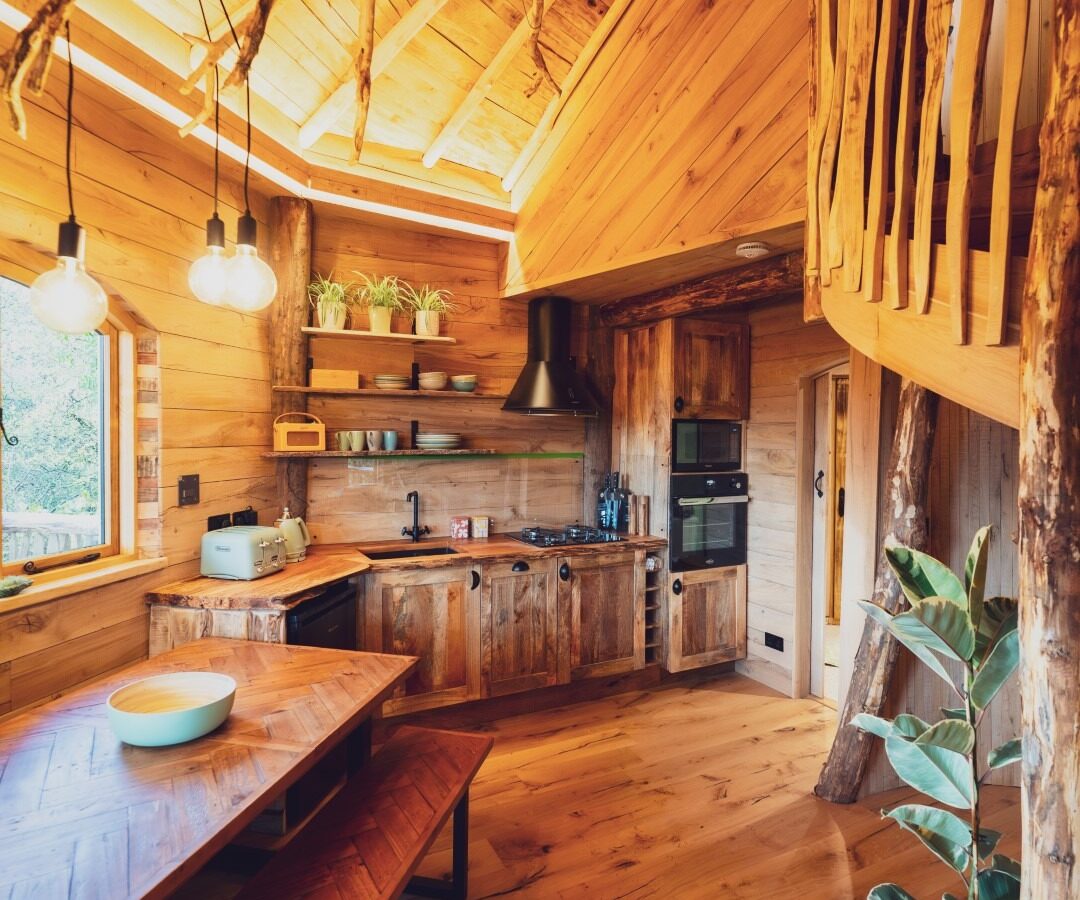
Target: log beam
770	277
291	223
903	521
1050	490
366	30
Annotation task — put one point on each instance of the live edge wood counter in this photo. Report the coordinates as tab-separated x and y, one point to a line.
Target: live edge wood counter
83	815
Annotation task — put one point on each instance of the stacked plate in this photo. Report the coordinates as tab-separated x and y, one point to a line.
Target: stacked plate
432	441
392	382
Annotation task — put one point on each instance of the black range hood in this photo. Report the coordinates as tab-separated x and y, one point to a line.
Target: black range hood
548	384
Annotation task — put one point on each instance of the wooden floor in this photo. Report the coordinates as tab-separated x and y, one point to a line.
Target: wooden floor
684	791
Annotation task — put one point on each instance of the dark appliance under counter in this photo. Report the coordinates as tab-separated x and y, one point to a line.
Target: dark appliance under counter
708	521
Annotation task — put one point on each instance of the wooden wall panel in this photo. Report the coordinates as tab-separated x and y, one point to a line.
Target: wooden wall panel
702	102
782	348
143	197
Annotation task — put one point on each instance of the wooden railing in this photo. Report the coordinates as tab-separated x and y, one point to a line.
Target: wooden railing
889	241
33	535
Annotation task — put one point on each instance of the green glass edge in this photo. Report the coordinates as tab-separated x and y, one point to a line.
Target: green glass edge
478	456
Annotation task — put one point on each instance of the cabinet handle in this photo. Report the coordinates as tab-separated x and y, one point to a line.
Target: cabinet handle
520	566
817	483
676	587
475	579
679	404
564	571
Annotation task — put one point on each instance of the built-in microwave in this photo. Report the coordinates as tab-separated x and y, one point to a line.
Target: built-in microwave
706	445
708	521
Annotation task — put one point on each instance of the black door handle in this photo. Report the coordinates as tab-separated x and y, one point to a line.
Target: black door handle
520	566
564	571
676	587
679	404
817	483
475	579
840	503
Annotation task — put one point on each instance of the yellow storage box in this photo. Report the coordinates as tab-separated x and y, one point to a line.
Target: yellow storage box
307	436
334	378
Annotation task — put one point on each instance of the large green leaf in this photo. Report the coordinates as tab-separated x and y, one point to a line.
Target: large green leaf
942	833
905	725
975	573
997	611
921	576
943	774
996	669
1006	866
954	712
988	840
888	892
950	734
994	885
1009	752
873	724
940	625
885	618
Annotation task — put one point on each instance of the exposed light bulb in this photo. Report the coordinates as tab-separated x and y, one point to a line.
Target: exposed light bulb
208	277
66	298
252	283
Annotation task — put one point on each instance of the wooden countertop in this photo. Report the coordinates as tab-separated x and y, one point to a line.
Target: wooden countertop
327	563
86	815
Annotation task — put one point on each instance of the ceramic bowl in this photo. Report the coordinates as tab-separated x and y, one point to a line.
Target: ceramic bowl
463	382
433	381
170	709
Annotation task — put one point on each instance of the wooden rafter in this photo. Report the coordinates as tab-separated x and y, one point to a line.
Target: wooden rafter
28	58
364	52
577	71
480	89
392	43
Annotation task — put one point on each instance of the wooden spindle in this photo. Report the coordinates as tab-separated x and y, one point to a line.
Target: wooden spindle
938	16
830	146
903	180
997	309
821	76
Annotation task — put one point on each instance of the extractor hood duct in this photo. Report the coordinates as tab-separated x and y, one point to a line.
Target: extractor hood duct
548	384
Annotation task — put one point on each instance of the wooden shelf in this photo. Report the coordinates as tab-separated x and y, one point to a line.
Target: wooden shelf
378	392
346	334
363	454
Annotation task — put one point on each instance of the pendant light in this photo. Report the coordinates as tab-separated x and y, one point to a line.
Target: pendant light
66	298
208	277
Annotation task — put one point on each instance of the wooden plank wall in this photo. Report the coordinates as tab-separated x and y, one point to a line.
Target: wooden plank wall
973	483
717	152
143	197
782	348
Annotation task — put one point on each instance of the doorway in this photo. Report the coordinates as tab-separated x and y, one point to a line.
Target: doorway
830	418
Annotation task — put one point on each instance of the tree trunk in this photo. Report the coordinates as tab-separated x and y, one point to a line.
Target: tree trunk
1050	491
903	521
291	221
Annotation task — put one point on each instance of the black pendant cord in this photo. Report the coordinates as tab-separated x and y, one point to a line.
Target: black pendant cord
217	110
247	93
70	97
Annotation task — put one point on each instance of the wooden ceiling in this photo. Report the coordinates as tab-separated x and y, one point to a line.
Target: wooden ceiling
434	64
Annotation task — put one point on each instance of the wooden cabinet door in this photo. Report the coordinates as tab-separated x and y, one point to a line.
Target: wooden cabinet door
706	618
433	614
519	616
602	613
712	370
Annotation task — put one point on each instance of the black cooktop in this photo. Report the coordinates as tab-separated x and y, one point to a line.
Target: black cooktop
545	536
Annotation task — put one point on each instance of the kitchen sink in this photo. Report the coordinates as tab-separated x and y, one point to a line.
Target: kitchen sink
406	554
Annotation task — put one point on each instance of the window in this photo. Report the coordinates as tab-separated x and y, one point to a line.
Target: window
59	398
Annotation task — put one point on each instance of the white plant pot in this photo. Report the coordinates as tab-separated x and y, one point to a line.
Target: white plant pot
427	322
379	319
333	319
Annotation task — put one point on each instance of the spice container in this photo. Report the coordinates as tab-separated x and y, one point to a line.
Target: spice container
480	526
459	527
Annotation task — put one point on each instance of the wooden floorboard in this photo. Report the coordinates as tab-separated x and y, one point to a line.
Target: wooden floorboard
684	791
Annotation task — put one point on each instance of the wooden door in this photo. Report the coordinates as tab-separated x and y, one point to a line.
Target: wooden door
602	613
706	621
433	614
712	370
519	616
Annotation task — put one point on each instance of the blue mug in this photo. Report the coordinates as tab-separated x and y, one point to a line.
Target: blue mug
389	440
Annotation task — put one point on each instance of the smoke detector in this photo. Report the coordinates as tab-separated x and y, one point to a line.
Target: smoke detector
753	249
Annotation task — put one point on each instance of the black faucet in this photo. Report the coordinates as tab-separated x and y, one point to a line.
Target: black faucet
414	498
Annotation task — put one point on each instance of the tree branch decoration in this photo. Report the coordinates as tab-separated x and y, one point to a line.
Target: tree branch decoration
536	21
29	57
364	53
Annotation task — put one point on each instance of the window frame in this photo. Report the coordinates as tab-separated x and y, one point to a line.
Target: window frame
119	509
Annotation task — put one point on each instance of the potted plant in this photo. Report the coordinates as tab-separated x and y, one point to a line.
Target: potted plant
331	300
382	297
428	305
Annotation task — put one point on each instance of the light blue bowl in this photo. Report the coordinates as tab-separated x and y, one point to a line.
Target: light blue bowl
170	709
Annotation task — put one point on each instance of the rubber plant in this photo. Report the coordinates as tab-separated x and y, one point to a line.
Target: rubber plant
950	619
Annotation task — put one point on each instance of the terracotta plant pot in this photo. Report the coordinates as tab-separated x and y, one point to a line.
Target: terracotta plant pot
427	322
332	318
379	319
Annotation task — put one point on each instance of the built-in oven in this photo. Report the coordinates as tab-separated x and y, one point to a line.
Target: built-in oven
708	521
706	445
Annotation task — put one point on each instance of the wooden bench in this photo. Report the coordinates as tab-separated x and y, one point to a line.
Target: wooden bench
370	839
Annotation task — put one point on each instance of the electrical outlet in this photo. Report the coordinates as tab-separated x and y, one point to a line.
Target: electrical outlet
774	641
213	523
189	490
245	517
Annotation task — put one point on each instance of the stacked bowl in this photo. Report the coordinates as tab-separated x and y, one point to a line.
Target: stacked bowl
392	382
435	441
432	381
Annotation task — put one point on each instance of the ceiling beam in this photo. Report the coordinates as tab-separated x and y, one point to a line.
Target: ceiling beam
480	89
577	71
395	40
755	281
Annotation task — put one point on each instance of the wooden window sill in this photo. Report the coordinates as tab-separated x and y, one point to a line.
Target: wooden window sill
75	583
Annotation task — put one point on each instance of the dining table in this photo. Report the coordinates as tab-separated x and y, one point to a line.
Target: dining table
83	814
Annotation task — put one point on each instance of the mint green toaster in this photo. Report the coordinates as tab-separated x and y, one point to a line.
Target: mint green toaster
242	552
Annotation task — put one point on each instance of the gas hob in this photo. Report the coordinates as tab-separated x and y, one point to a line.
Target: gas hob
544	536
